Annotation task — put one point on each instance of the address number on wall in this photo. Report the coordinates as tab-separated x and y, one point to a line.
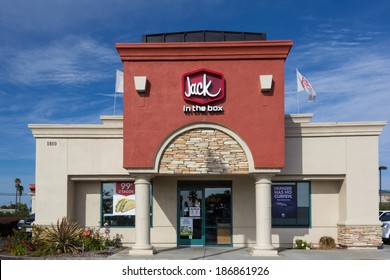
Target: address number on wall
51	143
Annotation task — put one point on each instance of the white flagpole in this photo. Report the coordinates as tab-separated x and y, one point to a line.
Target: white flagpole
115	103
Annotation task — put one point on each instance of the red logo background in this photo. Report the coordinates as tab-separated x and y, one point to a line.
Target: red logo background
217	83
125	188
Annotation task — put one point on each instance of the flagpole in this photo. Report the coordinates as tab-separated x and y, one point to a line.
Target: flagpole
115	103
296	71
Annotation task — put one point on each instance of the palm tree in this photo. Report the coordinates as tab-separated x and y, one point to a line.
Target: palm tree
17	186
193	196
20	192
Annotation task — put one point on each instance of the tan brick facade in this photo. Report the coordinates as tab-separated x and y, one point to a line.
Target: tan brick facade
359	236
203	151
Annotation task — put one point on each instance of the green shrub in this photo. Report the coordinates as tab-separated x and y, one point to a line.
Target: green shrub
18	244
327	242
92	240
62	238
115	242
384	206
301	244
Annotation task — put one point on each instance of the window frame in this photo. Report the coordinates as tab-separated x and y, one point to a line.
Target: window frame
124	226
309	207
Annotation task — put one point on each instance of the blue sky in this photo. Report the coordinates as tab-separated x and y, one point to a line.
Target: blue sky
58	60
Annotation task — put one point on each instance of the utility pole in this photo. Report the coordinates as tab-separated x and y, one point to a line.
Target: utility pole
380	182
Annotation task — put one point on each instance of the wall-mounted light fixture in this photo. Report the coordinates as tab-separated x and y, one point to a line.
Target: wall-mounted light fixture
266	82
140	83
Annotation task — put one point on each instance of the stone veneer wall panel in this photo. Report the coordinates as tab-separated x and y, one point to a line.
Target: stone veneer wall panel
359	236
204	151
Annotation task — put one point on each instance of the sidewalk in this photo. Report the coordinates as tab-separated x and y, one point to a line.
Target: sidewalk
227	253
230	253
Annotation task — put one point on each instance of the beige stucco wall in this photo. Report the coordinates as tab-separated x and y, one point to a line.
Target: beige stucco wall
63	152
361	201
95	156
52	179
315	155
87	203
57	164
346	151
163	232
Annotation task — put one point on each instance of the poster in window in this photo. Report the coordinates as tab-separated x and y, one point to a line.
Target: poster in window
284	201
194	211
124	199
186	227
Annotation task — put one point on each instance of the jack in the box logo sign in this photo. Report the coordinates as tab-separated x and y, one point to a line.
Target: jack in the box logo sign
203	86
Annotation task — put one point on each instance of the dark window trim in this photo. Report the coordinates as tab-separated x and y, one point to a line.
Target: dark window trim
101	205
310	205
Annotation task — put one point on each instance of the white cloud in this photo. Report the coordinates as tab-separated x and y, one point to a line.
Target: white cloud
350	75
70	61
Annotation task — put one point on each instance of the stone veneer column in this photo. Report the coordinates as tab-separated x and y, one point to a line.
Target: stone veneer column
263	245
142	216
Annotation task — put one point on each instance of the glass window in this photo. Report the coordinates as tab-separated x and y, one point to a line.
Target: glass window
218	215
385	217
118	204
218	207
291	204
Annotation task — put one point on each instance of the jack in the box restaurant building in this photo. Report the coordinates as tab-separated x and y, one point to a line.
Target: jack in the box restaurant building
204	155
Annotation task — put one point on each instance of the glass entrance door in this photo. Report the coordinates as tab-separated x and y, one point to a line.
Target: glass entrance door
191	226
204	213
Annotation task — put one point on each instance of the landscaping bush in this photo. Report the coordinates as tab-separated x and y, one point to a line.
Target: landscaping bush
301	244
327	242
115	242
384	206
92	240
18	244
64	237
